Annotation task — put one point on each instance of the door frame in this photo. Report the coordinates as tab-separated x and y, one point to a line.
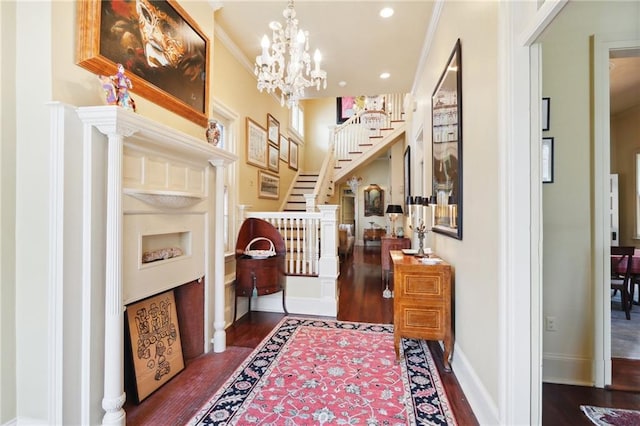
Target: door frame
602	45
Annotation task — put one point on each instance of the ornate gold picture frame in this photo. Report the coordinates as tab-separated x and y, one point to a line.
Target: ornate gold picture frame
176	78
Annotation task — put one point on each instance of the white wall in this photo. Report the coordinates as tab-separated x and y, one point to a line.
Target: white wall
473	258
568	288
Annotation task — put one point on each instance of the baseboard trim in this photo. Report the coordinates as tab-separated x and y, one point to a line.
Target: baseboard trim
295	305
482	404
567	370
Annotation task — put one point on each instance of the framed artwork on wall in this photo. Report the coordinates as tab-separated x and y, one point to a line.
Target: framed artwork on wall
347	106
284	148
293	154
256	144
174	77
156	348
273	129
547	160
407	175
546	109
446	108
268	185
373	201
274	161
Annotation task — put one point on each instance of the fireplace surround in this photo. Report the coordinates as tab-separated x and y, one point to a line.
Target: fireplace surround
163	191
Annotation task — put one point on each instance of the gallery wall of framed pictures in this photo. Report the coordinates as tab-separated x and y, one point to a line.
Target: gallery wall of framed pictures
266	147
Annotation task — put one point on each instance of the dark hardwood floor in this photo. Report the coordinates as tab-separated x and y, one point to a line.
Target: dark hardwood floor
361	300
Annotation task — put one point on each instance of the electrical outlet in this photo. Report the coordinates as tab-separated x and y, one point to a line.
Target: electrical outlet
550	324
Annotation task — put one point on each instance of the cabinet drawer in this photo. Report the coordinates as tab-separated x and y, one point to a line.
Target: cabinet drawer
431	286
422	318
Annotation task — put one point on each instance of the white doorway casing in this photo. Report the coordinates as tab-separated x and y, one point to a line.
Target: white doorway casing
602	45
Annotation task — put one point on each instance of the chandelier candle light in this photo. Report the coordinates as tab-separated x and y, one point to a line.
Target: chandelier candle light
285	63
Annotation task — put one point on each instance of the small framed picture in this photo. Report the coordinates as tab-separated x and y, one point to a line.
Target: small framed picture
293	155
546	106
274	163
284	148
547	160
256	144
268	185
273	128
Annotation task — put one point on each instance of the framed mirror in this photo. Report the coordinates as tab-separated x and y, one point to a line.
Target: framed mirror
446	108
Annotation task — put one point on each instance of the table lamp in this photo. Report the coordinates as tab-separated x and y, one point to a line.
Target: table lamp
393	210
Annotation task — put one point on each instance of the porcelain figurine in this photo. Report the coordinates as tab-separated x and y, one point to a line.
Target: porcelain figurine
116	89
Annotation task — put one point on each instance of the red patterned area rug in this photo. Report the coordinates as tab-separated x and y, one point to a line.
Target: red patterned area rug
326	372
611	416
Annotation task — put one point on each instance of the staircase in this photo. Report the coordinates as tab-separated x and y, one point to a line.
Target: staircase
356	142
305	184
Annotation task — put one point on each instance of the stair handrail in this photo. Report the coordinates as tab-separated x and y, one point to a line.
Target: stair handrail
324	188
393	111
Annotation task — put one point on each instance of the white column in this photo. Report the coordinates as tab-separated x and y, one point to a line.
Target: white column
219	335
114	396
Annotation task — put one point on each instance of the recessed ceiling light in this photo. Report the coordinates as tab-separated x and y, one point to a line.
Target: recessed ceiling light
386	12
342	83
385	75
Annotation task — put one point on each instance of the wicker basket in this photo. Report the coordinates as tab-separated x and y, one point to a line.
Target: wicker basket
260	254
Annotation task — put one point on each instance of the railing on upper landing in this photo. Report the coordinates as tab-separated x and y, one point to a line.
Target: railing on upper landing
310	237
355	135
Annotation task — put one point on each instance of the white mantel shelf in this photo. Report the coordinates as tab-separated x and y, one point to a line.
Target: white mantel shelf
142	131
193	159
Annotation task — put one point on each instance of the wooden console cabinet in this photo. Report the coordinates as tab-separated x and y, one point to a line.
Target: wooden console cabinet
373	234
422	302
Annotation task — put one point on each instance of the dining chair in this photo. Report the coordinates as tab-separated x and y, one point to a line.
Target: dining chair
621	278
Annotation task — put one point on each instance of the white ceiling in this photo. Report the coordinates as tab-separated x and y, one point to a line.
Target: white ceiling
357	45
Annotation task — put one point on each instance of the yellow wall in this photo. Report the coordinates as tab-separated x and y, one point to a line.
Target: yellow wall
235	87
320	119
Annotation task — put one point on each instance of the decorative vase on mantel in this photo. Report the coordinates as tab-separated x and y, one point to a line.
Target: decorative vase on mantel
213	132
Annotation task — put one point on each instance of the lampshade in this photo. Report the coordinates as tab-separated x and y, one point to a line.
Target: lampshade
394	208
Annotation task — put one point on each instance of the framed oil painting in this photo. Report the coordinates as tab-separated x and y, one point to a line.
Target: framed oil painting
273	129
256	144
373	201
284	148
156	348
446	107
163	51
268	185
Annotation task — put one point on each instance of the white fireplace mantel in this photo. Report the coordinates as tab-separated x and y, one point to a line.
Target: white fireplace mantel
127	131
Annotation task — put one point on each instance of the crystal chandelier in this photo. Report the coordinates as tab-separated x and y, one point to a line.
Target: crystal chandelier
285	63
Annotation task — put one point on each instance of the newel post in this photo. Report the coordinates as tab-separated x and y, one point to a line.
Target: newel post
328	269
